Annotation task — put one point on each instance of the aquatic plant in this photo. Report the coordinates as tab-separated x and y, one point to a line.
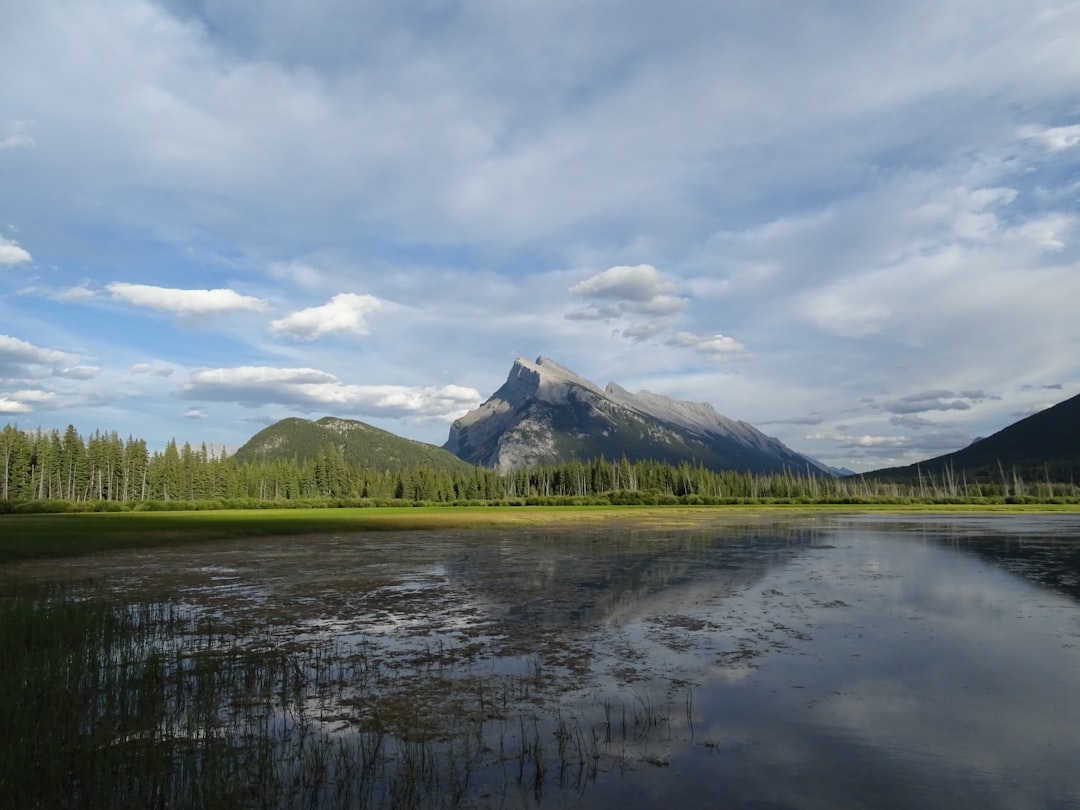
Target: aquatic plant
107	703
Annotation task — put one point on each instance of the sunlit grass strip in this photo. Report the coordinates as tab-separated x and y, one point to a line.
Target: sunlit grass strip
46	535
67	534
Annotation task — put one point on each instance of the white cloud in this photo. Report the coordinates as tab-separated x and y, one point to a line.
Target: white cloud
712	345
13	350
630	292
593	313
641	282
158	369
77	294
345	312
11	253
309	389
26	401
927	401
185	302
297	272
194	413
1055	139
256	376
663	305
1034	407
643	330
79	372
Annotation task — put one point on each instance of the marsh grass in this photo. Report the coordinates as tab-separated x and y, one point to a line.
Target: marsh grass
68	534
107	704
42	536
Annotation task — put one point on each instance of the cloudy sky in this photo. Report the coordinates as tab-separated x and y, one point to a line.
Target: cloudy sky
853	225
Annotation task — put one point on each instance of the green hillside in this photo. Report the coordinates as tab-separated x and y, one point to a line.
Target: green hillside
1045	445
361	445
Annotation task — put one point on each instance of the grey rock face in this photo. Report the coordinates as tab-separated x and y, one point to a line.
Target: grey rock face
545	413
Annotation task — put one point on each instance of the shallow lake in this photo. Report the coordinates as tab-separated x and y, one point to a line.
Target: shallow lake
877	661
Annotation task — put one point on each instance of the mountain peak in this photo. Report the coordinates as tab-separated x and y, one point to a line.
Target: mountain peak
546	413
551	372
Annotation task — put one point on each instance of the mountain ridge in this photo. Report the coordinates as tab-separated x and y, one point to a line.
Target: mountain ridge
547	413
1043	445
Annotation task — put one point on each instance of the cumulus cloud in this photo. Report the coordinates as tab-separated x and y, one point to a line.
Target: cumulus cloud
345	312
663	305
157	368
642	282
26	401
309	390
712	345
194	413
640	295
643	330
8	405
185	302
11	253
79	372
640	289
15	352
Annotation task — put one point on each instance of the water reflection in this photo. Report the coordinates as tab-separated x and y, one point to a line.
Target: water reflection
860	661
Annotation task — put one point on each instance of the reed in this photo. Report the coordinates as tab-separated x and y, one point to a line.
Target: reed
105	703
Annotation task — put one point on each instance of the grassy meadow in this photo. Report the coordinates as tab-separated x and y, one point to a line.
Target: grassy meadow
30	536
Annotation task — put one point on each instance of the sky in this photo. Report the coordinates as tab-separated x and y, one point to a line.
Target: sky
852	225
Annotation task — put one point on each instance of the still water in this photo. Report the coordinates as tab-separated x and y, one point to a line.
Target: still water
816	662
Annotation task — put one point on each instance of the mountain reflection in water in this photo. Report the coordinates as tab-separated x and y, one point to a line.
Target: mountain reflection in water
832	661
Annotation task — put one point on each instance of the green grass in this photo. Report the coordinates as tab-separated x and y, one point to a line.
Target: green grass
68	534
36	536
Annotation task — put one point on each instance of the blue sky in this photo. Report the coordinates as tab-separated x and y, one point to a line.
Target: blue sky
851	225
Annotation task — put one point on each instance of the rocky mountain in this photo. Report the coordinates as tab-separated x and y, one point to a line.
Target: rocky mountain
361	444
545	413
1045	445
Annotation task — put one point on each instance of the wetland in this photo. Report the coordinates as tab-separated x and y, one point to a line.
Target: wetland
770	661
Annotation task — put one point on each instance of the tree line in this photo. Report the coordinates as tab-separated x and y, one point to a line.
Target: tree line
104	470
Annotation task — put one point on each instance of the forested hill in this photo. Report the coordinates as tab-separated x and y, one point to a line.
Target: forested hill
53	471
1043	446
361	445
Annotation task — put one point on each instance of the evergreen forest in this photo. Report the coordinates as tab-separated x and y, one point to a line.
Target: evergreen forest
54	471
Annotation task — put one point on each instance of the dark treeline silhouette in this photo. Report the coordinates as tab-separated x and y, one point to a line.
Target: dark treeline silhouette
45	470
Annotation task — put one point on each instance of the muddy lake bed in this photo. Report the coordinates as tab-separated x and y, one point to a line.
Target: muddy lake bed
831	660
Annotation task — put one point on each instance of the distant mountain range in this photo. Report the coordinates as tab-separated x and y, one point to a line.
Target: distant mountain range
1043	445
361	444
545	413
